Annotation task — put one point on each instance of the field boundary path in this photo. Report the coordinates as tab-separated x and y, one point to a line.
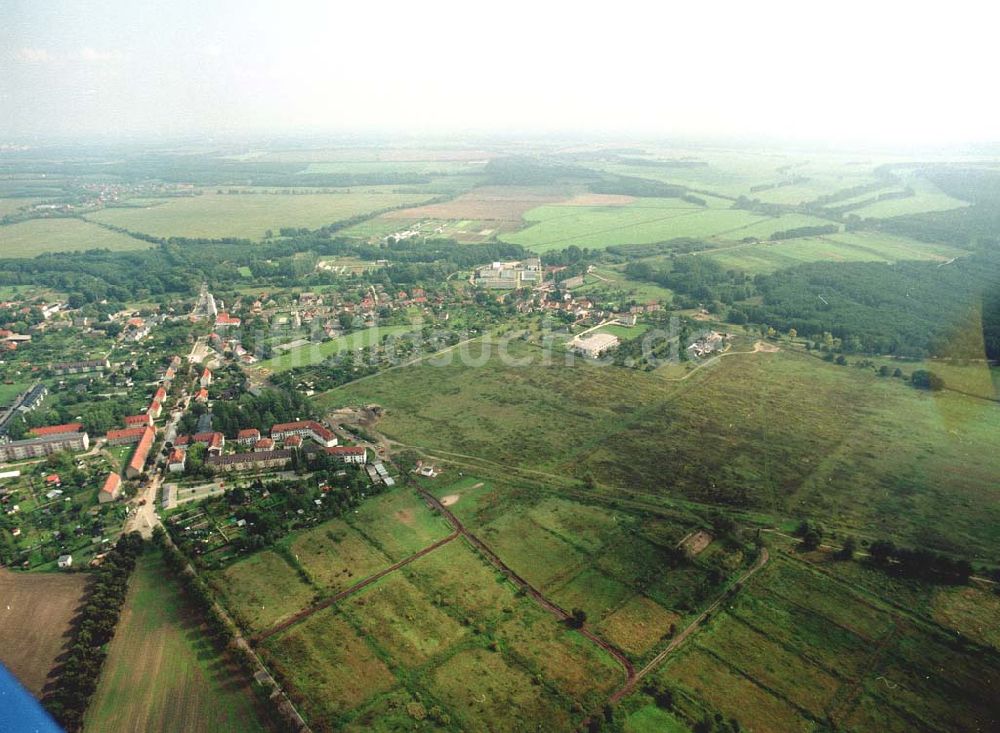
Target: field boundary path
261	675
676	642
360	585
532	592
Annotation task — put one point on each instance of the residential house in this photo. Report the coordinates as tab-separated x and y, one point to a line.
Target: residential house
138	463
111	490
177	460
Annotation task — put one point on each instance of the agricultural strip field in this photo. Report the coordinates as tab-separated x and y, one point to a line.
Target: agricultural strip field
162	673
644	221
35	614
271	586
927	197
38	236
248	216
767	257
796	648
488	203
449	632
311	354
618	567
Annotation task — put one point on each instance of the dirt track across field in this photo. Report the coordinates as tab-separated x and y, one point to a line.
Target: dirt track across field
327	602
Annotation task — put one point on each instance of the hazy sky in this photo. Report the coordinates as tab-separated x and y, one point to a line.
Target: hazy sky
883	71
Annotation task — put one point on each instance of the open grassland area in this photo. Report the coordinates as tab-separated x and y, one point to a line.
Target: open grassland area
14	205
799	647
311	354
249	216
927	197
38	236
10	392
446	638
487	203
262	590
641	222
525	415
611	285
162	672
36	612
270	586
781	432
789	433
766	257
620	568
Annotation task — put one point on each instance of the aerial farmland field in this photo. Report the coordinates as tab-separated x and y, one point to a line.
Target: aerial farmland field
38	611
163	673
841	247
249	215
39	236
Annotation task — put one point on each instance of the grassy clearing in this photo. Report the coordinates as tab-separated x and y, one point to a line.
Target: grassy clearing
784	431
609	284
316	353
327	668
733	694
487	693
13	205
10	392
844	247
795	647
336	556
162	673
213	215
37	611
38	236
641	222
651	719
927	198
509	414
262	590
400	620
638	625
399	523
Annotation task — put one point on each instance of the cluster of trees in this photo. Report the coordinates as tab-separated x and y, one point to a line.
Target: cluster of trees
638	187
908	309
813	231
249	411
78	677
919	563
701	278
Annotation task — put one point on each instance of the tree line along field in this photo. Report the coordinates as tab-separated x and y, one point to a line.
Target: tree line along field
249	215
783	432
162	672
39	236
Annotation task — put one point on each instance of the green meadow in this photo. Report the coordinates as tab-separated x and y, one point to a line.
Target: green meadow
249	215
39	236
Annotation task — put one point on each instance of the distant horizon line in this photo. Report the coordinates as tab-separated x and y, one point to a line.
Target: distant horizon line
379	137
